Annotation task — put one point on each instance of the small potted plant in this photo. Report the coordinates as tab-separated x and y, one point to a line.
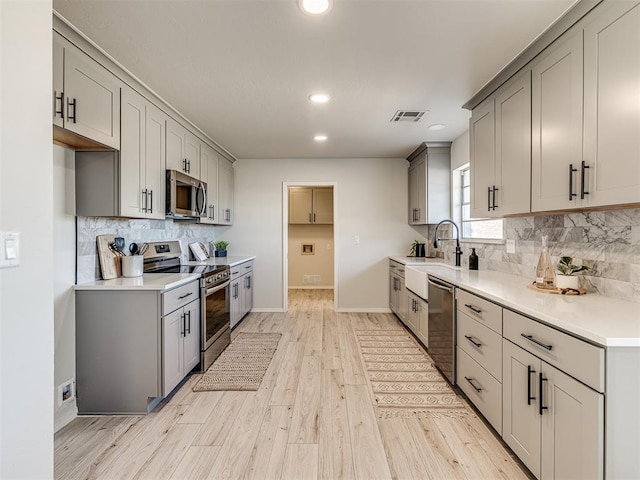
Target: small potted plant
567	271
221	248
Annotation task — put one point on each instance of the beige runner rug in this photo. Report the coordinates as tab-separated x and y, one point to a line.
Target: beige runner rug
242	365
404	379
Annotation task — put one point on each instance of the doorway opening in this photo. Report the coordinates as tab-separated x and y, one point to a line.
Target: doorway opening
309	232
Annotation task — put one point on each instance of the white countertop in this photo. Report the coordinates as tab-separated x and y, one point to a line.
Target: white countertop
603	320
417	260
160	281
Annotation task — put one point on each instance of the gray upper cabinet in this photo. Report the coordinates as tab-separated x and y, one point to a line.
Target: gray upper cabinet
86	96
612	106
183	150
430	184
500	137
225	192
209	173
310	206
142	158
557	125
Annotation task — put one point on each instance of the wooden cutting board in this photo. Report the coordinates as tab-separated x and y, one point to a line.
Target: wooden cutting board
110	263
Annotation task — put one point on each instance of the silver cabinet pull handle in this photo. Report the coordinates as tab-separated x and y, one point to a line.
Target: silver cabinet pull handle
183	327
477	344
185	295
473	308
470	380
150	201
537	342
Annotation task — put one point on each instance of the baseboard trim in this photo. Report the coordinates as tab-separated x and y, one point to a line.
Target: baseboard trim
64	416
267	310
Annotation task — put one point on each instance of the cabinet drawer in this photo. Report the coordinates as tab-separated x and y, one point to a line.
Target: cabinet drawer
578	358
489	399
486	312
397	268
179	297
480	343
245	267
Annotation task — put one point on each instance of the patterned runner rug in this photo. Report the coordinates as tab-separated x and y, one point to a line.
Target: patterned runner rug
242	365
404	379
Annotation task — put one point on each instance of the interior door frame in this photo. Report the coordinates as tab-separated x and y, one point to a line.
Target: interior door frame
285	238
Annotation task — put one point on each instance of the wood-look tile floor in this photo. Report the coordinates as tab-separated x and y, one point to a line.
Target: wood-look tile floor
312	418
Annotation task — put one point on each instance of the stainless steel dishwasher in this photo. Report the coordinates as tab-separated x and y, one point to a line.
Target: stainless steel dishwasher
442	334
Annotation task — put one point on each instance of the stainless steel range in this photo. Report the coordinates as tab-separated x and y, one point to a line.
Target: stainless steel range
215	327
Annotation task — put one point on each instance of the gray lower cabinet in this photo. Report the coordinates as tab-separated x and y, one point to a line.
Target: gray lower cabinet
181	346
124	339
241	291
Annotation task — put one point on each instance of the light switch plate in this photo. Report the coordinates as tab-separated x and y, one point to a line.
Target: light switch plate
10	245
511	246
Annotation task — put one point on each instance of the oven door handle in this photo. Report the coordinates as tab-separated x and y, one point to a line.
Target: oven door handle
216	288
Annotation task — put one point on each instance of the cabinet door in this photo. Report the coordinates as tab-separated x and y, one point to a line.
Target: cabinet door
410	316
572	428
300	206
192	154
58	81
235	305
418	192
612	106
513	147
172	344
209	172
247	293
393	293
92	94
482	159
225	192
132	155
520	413
403	299
557	126
323	206
191	340
155	176
176	149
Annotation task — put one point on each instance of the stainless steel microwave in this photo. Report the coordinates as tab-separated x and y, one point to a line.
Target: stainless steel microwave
186	196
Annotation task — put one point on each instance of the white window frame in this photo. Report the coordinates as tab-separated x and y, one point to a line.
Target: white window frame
458	209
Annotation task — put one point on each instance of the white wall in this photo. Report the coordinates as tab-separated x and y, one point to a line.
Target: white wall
26	292
319	263
371	203
460	151
64	243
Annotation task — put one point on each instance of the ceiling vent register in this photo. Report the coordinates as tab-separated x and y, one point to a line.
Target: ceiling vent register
408	116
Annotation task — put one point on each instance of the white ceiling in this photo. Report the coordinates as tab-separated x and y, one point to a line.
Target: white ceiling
242	69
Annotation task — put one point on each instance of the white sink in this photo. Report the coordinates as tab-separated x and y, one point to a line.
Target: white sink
415	279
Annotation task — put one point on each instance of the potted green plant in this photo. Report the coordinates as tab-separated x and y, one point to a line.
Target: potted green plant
567	273
221	248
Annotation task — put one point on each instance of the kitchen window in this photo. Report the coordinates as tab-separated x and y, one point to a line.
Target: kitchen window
473	229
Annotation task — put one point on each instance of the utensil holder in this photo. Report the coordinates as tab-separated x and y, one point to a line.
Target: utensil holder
132	266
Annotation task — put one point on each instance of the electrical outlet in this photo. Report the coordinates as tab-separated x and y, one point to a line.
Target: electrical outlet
511	246
356	239
66	391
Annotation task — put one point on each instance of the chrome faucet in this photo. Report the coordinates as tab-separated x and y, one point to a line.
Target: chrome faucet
457	239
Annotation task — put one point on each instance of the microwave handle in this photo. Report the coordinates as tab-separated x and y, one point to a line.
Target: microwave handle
203	210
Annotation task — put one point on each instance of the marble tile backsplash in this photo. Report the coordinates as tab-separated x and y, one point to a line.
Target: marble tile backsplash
88	266
608	242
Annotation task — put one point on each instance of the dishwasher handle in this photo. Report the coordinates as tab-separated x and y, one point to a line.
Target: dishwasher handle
440	286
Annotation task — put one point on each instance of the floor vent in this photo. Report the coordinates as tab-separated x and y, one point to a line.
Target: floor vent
408	116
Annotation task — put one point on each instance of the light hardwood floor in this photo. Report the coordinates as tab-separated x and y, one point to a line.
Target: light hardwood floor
312	418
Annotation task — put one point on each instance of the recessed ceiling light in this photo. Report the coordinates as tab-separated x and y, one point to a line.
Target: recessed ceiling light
437	126
315	7
319	97
320	138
